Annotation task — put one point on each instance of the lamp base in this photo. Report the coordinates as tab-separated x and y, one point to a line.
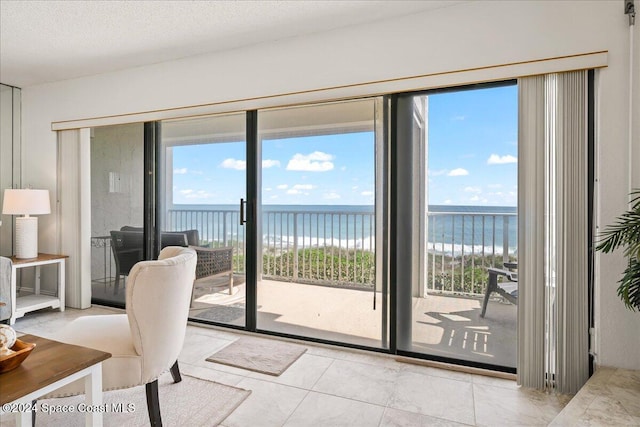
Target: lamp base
27	237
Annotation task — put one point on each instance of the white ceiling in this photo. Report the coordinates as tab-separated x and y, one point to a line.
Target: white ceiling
44	41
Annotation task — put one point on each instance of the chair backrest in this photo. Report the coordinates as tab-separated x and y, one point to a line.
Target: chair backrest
127	247
157	305
173	239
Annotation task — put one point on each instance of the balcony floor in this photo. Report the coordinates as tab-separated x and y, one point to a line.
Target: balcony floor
446	326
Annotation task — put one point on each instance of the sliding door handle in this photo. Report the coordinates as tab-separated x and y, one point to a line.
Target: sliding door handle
243	220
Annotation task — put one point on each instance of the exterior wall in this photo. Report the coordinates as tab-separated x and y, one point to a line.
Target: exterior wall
468	35
120	150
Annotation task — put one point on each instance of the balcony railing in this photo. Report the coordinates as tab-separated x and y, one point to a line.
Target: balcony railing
338	247
462	245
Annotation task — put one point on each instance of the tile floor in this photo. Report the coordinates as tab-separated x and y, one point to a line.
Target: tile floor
329	386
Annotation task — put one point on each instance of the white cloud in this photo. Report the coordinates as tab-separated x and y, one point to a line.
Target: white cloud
458	172
268	163
436	172
314	162
477	190
268	189
494	185
458	118
367	193
495	159
234	164
301	189
185	192
474	199
332	195
447	202
343	168
282	186
354	188
180	171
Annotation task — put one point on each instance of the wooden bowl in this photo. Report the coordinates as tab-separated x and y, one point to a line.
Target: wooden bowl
12	361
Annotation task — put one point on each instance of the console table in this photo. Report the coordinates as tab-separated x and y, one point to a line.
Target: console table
51	365
25	304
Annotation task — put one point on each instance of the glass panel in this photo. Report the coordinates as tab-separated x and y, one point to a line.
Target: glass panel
9	158
202	179
117	208
318	219
465	147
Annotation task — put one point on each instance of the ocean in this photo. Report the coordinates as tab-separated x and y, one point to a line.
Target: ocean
452	229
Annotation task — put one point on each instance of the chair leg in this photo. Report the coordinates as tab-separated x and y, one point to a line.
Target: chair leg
153	404
492	285
115	288
175	373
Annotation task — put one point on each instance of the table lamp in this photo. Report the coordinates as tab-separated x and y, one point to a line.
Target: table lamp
26	202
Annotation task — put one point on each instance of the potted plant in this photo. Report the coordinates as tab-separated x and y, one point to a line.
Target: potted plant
625	233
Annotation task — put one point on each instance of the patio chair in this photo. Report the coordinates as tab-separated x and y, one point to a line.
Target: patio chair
509	289
214	262
127	247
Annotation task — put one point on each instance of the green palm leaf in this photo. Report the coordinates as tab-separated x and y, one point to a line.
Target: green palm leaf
625	233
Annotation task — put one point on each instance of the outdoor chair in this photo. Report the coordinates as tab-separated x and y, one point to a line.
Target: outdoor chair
146	341
214	262
127	247
508	289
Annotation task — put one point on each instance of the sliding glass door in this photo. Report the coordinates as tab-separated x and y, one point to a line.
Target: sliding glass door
202	180
301	216
117	208
320	218
456	164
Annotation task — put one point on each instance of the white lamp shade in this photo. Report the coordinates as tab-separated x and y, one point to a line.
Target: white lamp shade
26	202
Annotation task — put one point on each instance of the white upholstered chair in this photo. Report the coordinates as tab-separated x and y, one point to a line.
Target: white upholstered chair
146	341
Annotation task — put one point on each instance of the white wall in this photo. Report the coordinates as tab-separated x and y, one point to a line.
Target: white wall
464	36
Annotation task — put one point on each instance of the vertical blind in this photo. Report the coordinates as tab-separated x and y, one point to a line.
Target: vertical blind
553	235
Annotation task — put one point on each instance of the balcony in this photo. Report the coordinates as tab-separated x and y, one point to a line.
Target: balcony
328	290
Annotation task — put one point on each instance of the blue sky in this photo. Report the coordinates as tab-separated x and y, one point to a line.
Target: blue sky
472	160
473	147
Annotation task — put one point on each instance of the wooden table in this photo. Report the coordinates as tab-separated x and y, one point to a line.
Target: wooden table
25	304
51	365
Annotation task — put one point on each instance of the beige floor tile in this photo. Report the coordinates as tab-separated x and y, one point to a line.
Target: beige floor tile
269	404
358	381
434	396
397	418
522	407
496	382
436	372
303	373
319	409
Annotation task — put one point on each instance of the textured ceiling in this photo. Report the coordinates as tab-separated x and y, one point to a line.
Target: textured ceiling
44	41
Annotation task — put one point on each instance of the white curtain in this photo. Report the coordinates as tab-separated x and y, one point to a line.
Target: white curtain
552	232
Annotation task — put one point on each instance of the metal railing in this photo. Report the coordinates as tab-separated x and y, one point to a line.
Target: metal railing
338	247
462	245
332	247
